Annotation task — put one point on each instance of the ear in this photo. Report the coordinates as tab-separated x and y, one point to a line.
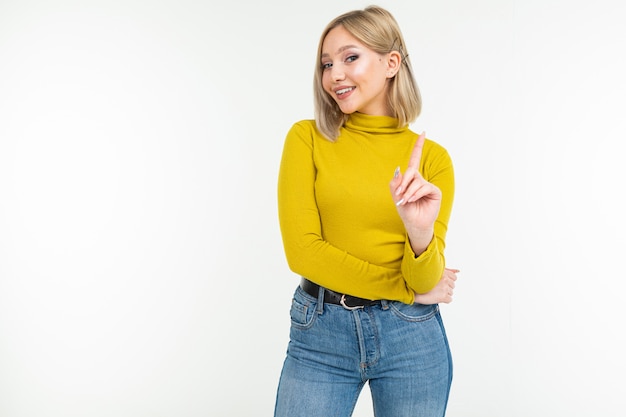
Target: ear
394	60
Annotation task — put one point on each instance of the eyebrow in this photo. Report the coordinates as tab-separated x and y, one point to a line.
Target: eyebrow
343	48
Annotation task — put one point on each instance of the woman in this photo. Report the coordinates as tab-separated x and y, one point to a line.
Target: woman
364	205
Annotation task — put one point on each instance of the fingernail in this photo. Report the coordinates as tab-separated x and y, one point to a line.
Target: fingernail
399	201
396	172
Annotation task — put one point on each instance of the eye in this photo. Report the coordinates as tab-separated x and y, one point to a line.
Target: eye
352	58
326	65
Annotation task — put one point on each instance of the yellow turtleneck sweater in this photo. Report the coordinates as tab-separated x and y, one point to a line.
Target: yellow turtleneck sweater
339	224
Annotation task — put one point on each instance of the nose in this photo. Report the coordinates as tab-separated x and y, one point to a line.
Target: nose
337	74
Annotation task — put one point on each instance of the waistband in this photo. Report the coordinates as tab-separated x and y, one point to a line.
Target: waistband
347	301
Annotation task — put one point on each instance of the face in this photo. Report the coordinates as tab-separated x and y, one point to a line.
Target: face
354	75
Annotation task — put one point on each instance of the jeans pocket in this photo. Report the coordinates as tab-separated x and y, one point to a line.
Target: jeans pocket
414	312
303	310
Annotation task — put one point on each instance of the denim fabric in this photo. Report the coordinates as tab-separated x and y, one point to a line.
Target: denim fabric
400	349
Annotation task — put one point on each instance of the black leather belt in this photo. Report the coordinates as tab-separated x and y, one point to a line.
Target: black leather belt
347	301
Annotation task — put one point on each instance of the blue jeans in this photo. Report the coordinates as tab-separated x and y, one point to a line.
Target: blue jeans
400	349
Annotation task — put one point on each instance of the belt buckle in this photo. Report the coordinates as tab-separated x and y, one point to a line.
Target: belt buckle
347	307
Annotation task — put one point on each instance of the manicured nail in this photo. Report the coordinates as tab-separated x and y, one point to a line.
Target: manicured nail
399	201
396	172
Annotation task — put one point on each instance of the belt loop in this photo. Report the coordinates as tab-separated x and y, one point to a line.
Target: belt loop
384	304
320	300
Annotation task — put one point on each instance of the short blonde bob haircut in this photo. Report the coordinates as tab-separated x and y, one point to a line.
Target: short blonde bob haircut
377	29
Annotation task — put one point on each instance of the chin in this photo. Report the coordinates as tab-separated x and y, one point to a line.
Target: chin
347	110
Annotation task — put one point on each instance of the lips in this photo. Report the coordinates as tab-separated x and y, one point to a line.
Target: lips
344	91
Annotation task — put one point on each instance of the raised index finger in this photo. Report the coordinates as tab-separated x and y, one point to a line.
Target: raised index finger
416	155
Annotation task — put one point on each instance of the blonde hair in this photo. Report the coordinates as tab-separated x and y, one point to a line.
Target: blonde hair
377	29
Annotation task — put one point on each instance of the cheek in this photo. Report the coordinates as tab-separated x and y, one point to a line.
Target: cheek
365	74
326	81
359	72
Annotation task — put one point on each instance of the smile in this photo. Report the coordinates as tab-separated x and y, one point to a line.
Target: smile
344	91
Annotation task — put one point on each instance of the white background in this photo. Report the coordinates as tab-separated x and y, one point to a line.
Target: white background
141	266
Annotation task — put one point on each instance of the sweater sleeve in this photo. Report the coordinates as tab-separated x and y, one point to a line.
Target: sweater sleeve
423	272
308	253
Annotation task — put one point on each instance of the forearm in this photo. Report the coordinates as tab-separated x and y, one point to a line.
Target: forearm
423	261
422	272
419	239
340	271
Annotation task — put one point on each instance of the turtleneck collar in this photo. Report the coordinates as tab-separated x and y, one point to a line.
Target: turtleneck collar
373	124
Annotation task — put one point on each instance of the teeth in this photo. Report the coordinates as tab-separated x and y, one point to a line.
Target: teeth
343	90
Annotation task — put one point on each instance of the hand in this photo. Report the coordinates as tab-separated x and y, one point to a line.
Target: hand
418	201
443	291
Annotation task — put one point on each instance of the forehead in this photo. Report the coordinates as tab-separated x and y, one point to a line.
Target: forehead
339	39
